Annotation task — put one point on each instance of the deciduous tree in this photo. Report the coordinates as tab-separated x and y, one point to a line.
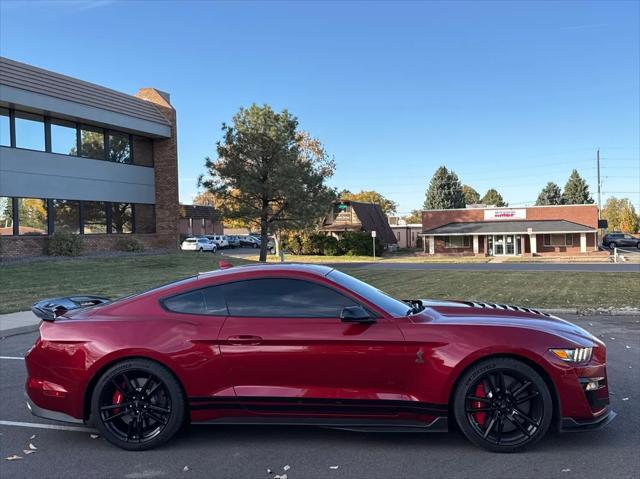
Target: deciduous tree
620	215
270	172
471	196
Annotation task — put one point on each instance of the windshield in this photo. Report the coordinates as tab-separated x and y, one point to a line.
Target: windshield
391	305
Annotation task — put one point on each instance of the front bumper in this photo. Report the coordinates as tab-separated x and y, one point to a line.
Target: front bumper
568	424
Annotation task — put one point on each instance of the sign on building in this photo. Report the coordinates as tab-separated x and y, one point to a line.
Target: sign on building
506	214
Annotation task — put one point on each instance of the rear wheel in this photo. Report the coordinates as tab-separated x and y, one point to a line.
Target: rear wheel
503	405
138	404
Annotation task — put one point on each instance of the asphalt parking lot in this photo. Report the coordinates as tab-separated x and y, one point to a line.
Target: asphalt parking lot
249	452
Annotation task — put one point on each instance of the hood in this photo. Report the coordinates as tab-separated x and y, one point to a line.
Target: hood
479	313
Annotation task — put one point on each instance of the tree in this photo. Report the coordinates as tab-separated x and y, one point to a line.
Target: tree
550	195
576	191
471	196
445	191
414	217
270	172
207	198
492	197
620	215
388	206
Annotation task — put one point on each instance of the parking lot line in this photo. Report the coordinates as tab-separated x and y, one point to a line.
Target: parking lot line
36	425
12	357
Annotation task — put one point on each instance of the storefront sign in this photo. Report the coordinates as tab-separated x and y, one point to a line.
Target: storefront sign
506	214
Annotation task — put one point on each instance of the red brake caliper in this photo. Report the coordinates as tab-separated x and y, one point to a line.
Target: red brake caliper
117	399
479	416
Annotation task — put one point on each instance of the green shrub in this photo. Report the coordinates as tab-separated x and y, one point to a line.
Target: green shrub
129	244
64	243
331	246
359	243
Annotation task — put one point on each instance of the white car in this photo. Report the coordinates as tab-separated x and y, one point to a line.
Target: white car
198	244
220	240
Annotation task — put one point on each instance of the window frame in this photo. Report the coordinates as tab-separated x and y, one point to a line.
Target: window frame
12	126
162	300
550	244
466	242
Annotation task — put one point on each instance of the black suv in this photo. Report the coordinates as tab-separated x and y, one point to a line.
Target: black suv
616	240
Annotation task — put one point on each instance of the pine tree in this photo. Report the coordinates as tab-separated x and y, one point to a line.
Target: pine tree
550	195
576	191
471	196
445	191
492	197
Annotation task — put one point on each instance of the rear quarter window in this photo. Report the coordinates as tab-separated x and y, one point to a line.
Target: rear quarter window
208	301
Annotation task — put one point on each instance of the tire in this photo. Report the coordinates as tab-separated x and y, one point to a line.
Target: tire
138	429
504	420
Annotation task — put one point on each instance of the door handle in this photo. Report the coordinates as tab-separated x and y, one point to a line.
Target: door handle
244	339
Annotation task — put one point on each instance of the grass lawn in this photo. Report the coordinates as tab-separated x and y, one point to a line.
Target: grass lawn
23	284
544	289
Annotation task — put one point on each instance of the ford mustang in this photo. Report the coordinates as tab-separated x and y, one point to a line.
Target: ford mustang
303	344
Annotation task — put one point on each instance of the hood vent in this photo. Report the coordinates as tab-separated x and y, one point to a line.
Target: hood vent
506	307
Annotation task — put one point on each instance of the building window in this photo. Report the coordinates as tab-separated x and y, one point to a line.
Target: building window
457	242
142	151
6	216
121	218
5	127
92	142
29	130
66	215
64	137
558	240
119	148
32	216
95	217
145	218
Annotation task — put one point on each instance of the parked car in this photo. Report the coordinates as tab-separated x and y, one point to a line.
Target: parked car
248	241
220	240
271	244
198	244
617	240
234	241
309	344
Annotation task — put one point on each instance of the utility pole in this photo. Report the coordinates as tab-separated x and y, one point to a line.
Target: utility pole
598	168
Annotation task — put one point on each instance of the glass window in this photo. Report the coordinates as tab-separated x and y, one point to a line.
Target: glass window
29	131
5	127
121	218
142	151
119	147
558	240
283	298
64	137
204	301
6	216
95	217
66	216
32	216
145	218
92	142
457	241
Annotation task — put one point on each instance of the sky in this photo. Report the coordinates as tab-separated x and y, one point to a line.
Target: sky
510	95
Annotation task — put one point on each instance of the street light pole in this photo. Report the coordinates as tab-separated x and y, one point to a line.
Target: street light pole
373	238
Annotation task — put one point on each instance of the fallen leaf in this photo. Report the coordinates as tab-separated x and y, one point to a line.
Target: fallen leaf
566	470
625	399
186	468
286	468
612	339
628	347
32	447
94	436
283	476
33	437
27	452
334	467
13	458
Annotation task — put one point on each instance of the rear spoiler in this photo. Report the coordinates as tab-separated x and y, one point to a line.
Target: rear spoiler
50	309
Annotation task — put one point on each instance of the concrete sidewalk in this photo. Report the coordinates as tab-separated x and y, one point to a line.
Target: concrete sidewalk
17	323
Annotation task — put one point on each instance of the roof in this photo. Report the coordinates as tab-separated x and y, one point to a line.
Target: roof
44	82
316	269
481	227
198	212
371	219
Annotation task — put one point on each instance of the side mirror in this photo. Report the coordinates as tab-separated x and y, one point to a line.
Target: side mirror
355	314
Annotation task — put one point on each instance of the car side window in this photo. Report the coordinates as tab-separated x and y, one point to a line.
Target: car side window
209	301
279	297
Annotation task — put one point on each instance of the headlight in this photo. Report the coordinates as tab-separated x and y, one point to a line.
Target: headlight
577	355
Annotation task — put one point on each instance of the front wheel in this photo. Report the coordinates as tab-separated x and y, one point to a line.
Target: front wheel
503	405
138	404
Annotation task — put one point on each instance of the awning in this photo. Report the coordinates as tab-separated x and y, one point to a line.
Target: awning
509	227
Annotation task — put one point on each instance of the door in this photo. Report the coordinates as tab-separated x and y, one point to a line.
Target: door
284	340
498	245
509	248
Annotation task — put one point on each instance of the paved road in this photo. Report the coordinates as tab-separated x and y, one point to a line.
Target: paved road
575	267
247	452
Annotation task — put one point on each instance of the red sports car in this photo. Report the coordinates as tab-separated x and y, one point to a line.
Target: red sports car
302	344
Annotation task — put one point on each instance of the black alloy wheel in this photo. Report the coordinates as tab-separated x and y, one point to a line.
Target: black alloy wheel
503	405
137	405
